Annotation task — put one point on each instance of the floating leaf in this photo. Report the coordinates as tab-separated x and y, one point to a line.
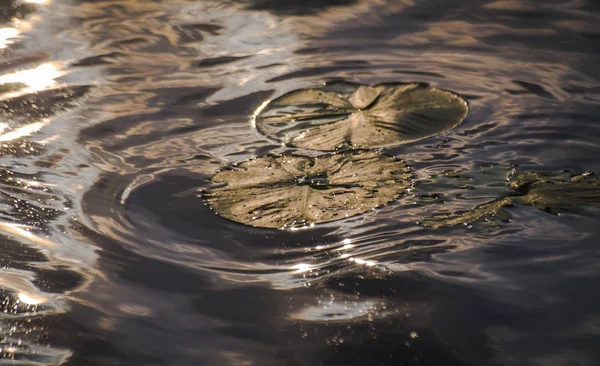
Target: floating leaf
294	190
359	116
549	193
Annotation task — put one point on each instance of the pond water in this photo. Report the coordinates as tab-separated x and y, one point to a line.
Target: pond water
115	115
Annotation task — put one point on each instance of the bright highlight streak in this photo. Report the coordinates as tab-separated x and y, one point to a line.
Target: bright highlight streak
302	227
21	132
29	300
39	78
20	230
302	267
6	34
346	247
257	112
363	262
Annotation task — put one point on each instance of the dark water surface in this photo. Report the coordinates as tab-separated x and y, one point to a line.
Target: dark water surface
116	113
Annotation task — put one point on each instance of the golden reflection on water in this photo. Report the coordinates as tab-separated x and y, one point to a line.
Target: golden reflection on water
27	233
362	12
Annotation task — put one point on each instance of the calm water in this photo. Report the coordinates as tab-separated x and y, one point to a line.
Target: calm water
116	113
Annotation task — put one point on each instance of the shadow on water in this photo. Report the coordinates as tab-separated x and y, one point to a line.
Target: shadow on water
115	114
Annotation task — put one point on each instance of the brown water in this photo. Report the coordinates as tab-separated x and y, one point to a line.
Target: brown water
115	114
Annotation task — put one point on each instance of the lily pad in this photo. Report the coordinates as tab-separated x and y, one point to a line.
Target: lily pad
550	193
359	116
288	191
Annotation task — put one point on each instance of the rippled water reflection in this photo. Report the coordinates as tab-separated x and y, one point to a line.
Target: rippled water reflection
115	114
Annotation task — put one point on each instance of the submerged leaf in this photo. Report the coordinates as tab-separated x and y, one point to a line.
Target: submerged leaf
549	193
294	190
554	194
359	116
487	211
